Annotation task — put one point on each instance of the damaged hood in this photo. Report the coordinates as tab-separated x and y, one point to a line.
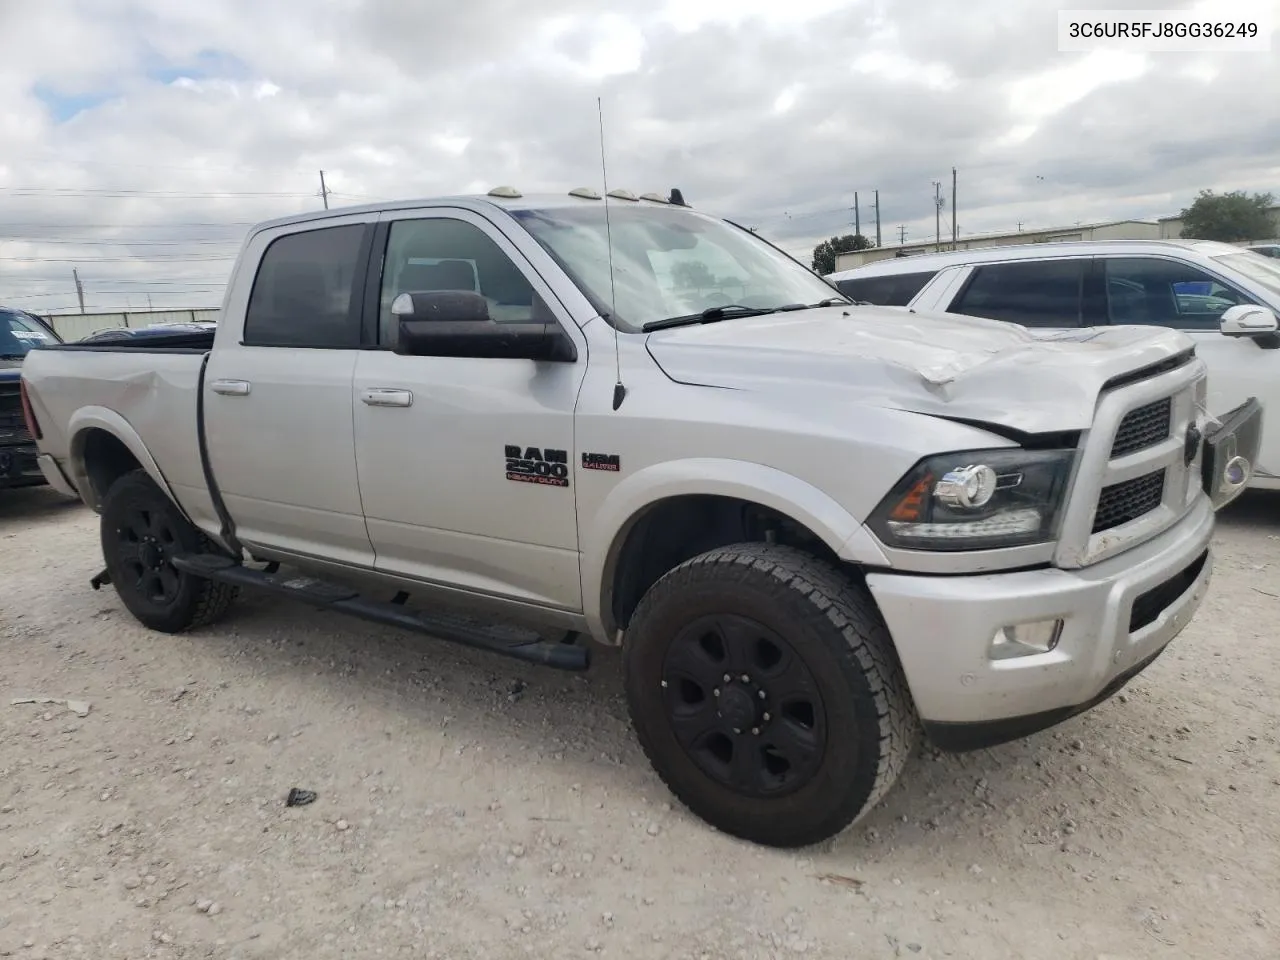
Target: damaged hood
932	363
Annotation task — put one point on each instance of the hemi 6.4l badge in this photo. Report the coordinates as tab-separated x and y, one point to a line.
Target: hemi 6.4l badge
609	462
533	465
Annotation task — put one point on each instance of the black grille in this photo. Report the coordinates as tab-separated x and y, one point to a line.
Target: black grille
13	429
1122	502
1144	427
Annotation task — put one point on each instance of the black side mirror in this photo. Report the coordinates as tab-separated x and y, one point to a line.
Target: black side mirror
456	323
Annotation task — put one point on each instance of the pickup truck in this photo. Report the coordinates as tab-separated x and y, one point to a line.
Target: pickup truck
816	531
19	332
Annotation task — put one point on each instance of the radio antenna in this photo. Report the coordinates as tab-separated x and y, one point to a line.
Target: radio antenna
619	391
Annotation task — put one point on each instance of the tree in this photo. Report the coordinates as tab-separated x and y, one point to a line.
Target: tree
692	275
1228	217
825	253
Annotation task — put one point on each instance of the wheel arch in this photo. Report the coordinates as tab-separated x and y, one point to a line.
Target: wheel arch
105	446
710	492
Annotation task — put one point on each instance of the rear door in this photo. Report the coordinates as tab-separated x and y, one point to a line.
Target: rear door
277	403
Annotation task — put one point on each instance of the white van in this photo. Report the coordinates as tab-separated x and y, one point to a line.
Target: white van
1226	298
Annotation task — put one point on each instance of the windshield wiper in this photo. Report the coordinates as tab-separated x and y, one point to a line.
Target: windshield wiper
709	315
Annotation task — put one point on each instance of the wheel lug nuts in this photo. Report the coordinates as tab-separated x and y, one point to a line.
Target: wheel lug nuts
765	718
664	684
727	678
761	694
745	678
755	731
736	730
715	692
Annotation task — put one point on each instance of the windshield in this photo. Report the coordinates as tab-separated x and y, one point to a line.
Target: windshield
19	333
1259	269
668	262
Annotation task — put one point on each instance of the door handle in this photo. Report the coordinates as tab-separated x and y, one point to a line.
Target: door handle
230	388
386	397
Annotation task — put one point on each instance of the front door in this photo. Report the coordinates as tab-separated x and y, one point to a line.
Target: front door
466	464
1170	293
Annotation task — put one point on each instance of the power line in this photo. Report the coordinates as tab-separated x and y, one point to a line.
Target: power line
128	192
164	259
200	241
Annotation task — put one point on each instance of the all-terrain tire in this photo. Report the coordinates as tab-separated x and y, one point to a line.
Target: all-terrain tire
141	529
832	625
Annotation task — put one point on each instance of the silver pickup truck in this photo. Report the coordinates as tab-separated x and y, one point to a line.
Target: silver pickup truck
815	529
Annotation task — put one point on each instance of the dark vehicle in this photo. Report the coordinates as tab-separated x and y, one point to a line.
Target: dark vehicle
19	332
133	334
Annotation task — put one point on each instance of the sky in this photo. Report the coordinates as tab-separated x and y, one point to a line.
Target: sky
141	138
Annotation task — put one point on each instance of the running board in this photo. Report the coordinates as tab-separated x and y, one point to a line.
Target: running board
507	640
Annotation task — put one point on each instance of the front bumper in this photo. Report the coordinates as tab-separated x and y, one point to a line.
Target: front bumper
19	466
1116	615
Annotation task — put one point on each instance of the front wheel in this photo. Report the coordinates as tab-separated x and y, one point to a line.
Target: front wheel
764	690
141	532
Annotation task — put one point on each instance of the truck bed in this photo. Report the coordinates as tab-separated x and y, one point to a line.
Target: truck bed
144	389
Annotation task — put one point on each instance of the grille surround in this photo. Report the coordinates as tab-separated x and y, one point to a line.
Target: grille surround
1143	427
1124	502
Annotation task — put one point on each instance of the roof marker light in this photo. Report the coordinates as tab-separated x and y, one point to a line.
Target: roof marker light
509	193
586	193
622	195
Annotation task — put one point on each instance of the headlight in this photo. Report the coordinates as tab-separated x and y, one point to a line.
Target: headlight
976	500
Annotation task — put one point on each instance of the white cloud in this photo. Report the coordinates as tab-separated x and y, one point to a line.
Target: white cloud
146	134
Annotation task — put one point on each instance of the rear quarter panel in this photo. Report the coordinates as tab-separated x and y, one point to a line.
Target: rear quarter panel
146	400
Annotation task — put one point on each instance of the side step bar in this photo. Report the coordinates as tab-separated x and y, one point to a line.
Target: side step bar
504	639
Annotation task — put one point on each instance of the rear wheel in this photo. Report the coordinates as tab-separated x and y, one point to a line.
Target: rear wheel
141	532
764	690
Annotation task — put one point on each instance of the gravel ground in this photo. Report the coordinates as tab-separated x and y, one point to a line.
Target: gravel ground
470	806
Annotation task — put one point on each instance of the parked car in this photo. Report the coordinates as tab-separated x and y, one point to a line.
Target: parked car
813	528
19	332
1266	249
1223	297
111	334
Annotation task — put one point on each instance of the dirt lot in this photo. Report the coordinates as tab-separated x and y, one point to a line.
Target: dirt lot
475	807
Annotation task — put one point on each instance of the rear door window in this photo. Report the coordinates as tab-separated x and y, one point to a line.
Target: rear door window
1034	293
893	290
302	295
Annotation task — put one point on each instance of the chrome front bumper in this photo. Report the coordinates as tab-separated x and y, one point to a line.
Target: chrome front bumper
1116	616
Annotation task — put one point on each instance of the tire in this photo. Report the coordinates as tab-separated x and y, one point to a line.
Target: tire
141	529
790	632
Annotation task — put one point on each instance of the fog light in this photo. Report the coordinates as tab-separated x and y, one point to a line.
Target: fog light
1235	473
1025	639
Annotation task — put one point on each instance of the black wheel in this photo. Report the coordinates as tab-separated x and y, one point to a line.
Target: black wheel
764	690
141	531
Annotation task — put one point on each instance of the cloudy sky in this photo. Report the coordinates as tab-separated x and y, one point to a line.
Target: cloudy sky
140	138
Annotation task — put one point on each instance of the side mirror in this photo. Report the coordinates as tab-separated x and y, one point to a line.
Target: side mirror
456	323
1247	320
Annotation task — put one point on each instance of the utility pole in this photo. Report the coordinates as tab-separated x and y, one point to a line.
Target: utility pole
955	230
75	275
149	306
877	218
937	216
324	191
902	234
857	223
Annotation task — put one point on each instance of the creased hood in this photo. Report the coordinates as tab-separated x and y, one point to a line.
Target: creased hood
933	363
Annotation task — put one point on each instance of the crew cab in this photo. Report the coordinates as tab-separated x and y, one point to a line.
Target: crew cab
19	332
1225	298
522	423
